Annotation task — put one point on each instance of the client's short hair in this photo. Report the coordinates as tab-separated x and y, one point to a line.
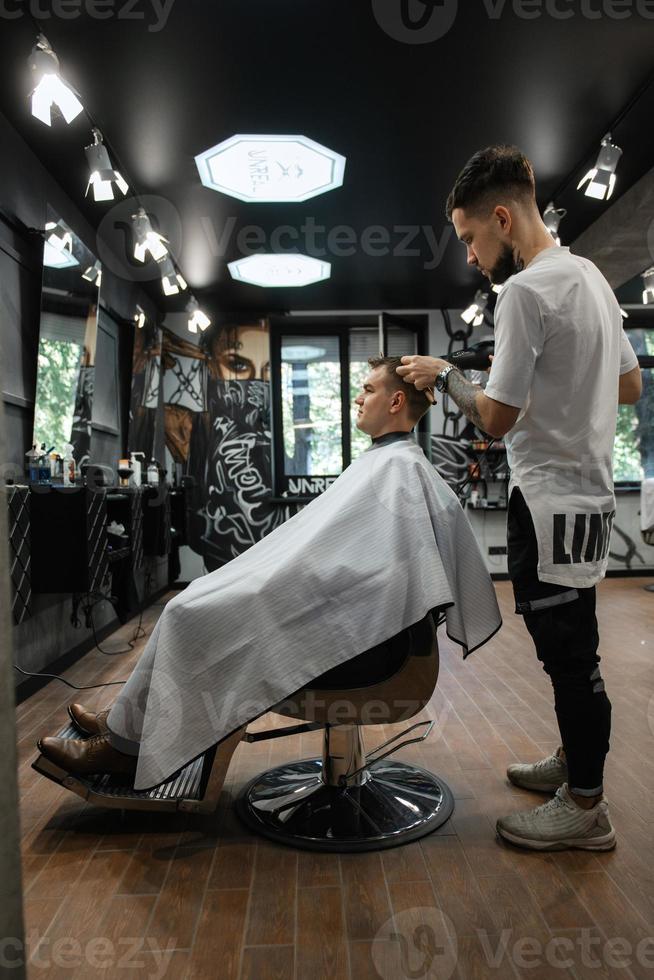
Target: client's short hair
417	401
491	177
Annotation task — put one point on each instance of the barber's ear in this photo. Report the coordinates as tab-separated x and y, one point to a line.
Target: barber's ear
503	216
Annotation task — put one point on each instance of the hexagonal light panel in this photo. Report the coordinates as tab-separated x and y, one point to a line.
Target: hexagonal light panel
271	269
270	168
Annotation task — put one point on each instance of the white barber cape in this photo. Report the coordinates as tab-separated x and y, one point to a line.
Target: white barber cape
384	544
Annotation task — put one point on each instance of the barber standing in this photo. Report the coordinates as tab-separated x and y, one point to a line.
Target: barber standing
562	364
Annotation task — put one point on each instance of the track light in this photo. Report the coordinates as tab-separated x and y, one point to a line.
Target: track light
475	312
601	179
102	175
552	218
171	281
139	317
147	240
58	246
648	283
197	318
49	87
624	314
59	236
93	273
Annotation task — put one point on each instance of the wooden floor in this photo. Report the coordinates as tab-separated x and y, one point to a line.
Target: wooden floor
201	898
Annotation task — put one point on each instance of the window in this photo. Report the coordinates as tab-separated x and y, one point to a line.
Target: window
633	458
317	372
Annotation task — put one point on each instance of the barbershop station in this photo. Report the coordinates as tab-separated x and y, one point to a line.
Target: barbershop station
327	490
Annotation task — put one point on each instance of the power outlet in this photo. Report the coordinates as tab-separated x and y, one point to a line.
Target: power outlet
498	549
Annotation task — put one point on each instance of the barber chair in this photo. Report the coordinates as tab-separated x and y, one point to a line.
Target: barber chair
345	801
349	800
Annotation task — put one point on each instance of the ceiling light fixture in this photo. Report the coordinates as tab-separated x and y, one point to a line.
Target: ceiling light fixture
648	283
102	175
171	280
552	218
279	269
475	312
197	318
93	273
49	87
139	317
147	240
270	168
302	352
59	237
601	179
58	246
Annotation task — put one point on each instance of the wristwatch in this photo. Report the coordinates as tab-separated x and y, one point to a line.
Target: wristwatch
441	378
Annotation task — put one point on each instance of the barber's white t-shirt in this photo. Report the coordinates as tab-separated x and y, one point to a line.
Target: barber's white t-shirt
559	350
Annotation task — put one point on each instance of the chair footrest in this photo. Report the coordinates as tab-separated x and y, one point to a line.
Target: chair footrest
182	791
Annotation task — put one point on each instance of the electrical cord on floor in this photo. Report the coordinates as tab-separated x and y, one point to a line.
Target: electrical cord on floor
139	633
58	677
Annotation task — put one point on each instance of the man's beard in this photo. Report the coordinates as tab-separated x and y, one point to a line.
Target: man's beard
506	266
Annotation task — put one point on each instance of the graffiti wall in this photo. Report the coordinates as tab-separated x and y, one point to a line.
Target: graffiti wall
216	420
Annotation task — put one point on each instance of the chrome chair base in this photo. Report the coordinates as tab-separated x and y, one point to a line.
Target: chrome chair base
395	804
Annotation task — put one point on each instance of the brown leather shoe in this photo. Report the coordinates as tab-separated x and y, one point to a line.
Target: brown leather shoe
88	722
87	757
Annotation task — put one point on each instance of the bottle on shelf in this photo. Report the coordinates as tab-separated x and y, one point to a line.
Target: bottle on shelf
44	465
136	478
33	464
69	466
55	467
153	473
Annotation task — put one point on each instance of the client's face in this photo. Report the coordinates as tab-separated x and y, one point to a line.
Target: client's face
374	416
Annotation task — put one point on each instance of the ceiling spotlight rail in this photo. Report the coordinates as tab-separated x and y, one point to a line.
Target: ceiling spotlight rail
52	96
600	179
612	127
552	218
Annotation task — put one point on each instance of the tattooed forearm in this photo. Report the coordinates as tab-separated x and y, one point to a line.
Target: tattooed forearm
465	394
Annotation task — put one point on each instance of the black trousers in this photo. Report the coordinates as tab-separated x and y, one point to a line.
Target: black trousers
563	626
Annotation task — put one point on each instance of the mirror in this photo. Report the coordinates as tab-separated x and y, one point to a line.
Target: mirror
67	342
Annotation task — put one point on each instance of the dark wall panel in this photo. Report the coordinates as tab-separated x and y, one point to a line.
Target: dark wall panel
26	188
20	288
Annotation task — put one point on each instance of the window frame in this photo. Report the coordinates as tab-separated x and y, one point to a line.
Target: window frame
640	318
340	327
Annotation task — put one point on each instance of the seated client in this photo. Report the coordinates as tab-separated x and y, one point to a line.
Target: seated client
386	543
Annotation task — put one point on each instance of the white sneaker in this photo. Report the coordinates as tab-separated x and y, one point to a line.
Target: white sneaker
543	777
559	824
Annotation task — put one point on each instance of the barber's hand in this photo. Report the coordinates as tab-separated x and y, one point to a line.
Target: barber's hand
421	370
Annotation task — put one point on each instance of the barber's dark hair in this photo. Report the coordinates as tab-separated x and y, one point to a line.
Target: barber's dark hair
491	177
417	401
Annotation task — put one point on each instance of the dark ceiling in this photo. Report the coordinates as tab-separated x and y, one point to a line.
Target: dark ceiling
405	115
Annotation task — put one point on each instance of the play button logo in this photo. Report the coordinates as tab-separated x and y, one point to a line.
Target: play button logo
415	21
